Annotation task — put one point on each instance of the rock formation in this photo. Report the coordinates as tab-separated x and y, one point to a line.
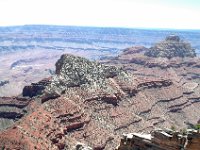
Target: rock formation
12	109
90	105
70	106
161	140
73	71
171	47
35	88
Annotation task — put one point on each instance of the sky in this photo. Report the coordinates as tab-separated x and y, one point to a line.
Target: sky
175	14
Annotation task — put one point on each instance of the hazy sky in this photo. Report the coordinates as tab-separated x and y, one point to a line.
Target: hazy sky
182	14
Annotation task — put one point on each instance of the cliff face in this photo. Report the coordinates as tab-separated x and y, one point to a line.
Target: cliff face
11	110
90	105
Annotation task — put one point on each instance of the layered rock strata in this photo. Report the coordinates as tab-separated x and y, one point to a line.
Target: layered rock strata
95	103
161	140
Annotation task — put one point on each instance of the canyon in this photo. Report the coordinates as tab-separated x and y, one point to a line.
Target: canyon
91	105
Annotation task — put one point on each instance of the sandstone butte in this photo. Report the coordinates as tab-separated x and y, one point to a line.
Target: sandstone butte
110	104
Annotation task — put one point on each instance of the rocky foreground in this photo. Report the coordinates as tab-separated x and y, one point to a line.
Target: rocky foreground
91	105
161	140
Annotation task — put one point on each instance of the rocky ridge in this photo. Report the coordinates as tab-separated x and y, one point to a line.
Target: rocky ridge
63	110
73	71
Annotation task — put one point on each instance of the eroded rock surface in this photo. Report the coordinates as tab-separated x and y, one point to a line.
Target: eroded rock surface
11	110
73	71
95	103
161	140
82	111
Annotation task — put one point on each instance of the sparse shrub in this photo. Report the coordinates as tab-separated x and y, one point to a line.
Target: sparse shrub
197	127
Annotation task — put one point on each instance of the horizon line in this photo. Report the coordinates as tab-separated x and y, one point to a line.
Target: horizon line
90	26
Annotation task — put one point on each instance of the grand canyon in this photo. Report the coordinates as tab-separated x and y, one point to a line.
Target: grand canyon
81	88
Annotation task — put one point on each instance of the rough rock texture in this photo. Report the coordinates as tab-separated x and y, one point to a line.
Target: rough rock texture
84	111
11	109
172	46
161	140
35	88
72	71
94	104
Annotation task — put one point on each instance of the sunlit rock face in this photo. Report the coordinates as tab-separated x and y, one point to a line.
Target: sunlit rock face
159	139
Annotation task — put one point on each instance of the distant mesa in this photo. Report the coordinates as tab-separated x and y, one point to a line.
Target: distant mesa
171	47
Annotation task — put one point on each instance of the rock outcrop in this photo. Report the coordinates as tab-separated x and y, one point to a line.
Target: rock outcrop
35	88
73	71
70	106
171	47
161	140
12	109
